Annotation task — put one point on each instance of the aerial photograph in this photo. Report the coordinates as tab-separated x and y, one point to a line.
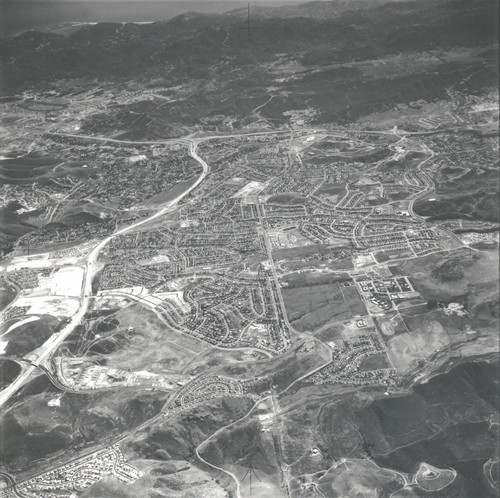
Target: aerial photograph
249	250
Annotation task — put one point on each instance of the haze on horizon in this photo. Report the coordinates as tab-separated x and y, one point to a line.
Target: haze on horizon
17	16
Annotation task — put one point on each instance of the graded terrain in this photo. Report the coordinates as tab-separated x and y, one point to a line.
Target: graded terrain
256	262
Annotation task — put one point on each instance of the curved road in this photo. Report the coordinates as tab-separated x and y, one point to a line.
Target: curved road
56	339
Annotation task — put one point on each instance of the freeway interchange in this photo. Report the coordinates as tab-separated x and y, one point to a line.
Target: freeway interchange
262	300
51	345
90	263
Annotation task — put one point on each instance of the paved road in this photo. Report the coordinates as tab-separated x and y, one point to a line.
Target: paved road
56	340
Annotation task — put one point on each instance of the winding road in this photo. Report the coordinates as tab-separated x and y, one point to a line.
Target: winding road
91	267
51	345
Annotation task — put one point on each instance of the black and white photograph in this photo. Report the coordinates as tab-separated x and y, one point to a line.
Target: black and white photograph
249	250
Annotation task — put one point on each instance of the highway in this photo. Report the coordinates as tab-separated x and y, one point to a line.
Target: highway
51	345
91	266
56	340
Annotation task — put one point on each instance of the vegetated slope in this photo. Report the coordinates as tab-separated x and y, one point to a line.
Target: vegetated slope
8	292
9	370
178	437
29	336
444	422
190	44
32	430
286	64
461	277
472	196
12	226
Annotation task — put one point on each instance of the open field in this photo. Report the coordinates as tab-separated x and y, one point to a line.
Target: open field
426	337
133	338
312	307
67	282
252	263
375	362
453	277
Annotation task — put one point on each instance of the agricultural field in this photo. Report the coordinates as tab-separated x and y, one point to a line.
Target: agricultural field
312	307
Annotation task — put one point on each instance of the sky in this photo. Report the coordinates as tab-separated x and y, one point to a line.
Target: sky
17	16
259	2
